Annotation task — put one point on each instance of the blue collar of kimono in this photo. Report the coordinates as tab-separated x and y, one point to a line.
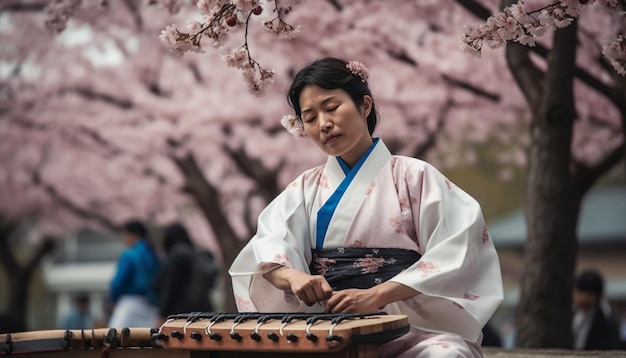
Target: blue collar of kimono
325	213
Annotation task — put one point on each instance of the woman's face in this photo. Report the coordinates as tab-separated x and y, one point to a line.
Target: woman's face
335	123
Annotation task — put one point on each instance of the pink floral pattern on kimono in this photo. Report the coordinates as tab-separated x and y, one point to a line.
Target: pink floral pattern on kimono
290	297
485	237
359	243
352	267
322	181
243	304
470	297
427	268
396	224
394	160
324	264
370	264
404	203
282	259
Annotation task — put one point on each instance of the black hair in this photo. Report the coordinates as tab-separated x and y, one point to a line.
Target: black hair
175	233
331	73
590	281
137	228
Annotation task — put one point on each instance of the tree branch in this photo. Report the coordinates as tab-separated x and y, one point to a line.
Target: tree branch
70	136
583	176
22	6
587	78
529	78
73	208
195	70
475	8
134	12
207	198
46	246
90	94
403	57
421	150
266	180
335	4
494	97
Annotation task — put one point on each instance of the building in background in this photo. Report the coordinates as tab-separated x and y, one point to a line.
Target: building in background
82	264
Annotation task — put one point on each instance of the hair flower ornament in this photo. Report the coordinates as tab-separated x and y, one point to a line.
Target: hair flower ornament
358	69
293	126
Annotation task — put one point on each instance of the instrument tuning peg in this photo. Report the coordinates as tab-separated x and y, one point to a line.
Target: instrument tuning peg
311	337
255	336
215	336
236	336
159	337
292	337
334	338
273	336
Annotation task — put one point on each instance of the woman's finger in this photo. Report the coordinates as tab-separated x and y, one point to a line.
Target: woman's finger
309	296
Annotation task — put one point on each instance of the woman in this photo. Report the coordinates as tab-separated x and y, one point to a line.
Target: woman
409	240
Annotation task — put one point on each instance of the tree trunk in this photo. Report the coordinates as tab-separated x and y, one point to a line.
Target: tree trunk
544	313
19	276
556	183
207	198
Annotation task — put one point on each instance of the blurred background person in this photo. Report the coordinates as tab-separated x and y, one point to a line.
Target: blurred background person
593	325
131	290
188	276
79	316
11	324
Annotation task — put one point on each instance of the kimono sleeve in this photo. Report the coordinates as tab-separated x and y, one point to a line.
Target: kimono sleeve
282	237
458	274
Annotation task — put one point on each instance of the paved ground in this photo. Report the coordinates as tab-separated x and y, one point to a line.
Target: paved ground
547	353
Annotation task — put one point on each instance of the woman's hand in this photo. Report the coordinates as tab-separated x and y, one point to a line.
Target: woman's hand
353	300
310	289
368	300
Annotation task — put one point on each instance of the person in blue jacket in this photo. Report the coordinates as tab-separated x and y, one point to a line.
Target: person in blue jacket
131	290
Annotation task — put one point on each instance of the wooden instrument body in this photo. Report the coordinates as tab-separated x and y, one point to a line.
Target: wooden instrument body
274	335
197	336
84	343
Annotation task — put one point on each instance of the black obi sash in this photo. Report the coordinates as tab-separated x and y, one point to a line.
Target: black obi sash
355	267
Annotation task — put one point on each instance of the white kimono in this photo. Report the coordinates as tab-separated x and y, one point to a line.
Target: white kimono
392	202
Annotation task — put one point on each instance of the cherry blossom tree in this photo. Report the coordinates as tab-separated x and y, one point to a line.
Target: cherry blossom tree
110	124
553	77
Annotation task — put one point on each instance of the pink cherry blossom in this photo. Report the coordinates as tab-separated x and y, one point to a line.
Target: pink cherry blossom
293	125
515	23
615	52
